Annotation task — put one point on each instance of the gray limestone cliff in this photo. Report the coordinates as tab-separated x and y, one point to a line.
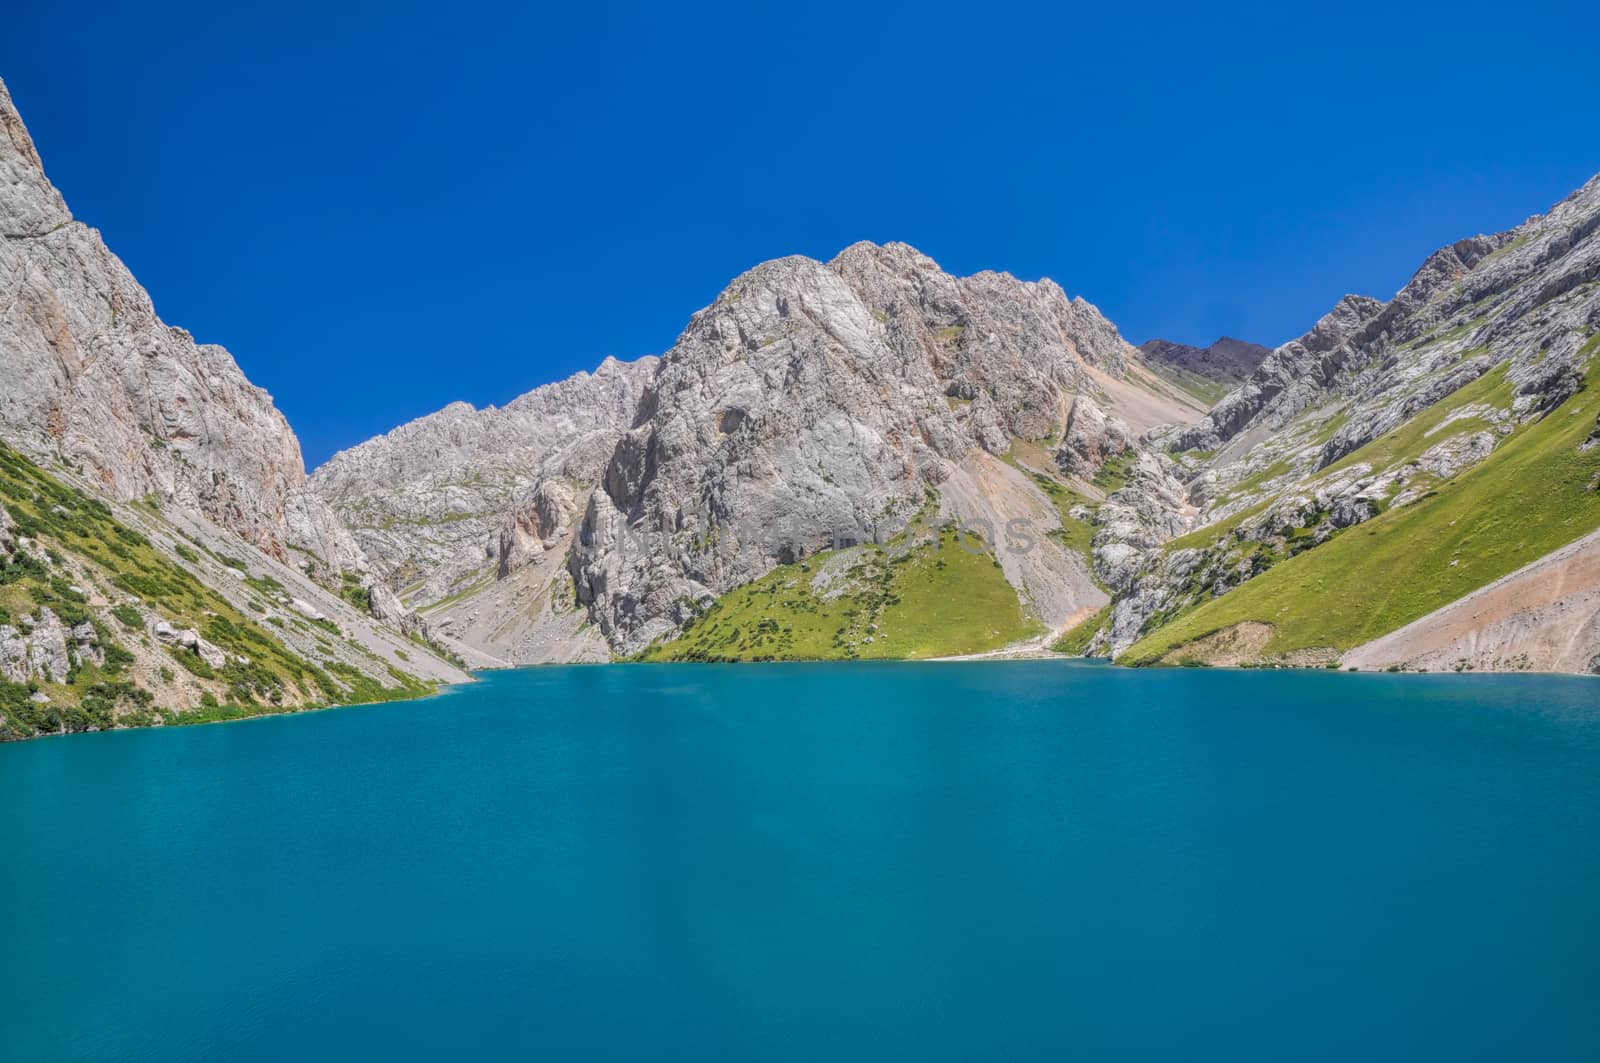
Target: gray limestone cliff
95	378
154	507
818	401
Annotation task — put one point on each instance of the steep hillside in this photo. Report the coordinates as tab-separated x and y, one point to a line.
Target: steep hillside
423	498
119	615
94	378
1398	457
929	592
160	555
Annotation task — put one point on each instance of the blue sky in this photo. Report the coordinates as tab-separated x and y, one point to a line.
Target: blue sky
382	208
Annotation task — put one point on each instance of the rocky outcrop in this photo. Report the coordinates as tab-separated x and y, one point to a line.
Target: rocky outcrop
544	519
428	501
44	648
189	639
1090	438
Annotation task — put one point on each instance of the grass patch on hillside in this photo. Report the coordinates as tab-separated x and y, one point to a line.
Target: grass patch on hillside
1533	495
933	599
1076	535
351	590
1413	438
1330	427
1210	533
1254	482
1114	473
1076	639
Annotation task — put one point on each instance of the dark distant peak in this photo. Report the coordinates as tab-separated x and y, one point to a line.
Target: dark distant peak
1226	361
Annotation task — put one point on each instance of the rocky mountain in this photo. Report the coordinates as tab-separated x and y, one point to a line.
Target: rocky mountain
812	404
864	457
1211	371
1397	458
96	379
176	494
738	497
453	504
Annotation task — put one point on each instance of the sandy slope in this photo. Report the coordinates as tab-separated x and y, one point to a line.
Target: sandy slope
1544	617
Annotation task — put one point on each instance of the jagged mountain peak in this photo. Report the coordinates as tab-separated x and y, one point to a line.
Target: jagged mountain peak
30	205
807	394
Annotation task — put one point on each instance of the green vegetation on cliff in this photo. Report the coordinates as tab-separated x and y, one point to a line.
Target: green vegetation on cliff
261	674
924	595
1076	639
1534	494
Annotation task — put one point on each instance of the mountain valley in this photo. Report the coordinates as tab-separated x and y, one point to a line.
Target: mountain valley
866	457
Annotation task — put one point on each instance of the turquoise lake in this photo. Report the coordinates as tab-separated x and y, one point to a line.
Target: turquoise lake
1024	861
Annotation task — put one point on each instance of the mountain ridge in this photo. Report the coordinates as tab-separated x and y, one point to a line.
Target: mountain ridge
642	549
877	346
156	506
790	473
1220	365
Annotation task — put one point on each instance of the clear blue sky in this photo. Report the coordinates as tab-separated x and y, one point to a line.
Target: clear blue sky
382	208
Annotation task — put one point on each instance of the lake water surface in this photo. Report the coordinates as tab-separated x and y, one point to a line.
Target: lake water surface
1027	860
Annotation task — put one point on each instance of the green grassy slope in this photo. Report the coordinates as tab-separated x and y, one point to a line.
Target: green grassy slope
1413	438
1534	494
73	530
932	599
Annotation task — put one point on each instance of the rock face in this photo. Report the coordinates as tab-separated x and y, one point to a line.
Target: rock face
429	500
93	376
814	402
811	403
1091	438
41	648
103	405
1227	361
